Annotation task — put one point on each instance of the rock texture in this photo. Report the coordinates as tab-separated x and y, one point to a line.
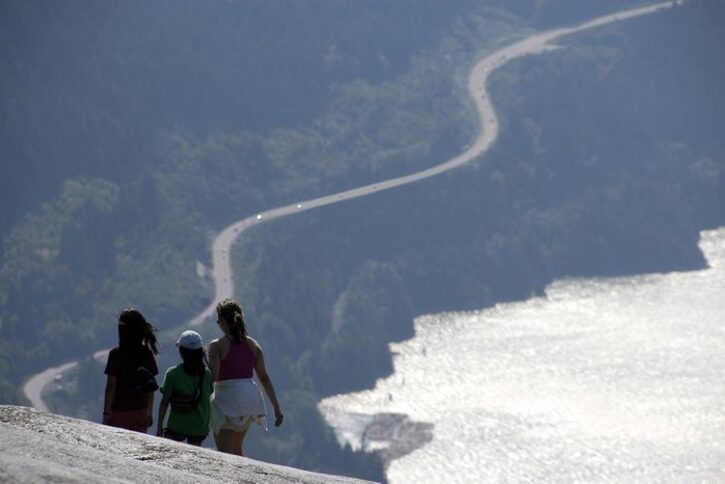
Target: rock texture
42	447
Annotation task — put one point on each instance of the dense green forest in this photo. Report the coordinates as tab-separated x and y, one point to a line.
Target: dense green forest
134	131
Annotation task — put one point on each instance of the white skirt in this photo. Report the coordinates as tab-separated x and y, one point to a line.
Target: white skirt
236	404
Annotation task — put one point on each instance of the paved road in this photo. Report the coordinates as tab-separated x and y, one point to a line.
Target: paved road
478	92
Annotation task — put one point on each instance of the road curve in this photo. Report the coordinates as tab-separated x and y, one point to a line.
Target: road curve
477	90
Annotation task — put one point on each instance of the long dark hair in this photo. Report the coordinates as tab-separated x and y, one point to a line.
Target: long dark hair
134	331
194	361
231	311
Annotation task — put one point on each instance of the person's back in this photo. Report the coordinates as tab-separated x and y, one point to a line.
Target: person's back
123	364
193	424
128	401
187	388
237	402
239	361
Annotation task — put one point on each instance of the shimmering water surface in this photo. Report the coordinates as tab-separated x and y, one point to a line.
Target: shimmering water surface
600	380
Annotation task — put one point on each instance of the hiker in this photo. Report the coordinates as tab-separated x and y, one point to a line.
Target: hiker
187	388
237	401
131	370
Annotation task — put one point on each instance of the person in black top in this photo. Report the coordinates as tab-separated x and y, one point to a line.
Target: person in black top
131	368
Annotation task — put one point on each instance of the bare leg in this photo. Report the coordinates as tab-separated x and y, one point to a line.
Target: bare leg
238	442
224	440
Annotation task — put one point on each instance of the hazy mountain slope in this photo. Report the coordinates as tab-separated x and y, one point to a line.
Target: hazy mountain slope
591	187
561	195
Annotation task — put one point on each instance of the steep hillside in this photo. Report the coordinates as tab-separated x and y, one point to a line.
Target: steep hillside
41	447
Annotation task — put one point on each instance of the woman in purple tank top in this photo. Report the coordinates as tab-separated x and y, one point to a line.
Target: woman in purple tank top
237	401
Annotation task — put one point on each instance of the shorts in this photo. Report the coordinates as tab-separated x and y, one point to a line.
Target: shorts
236	404
181	437
229	425
136	420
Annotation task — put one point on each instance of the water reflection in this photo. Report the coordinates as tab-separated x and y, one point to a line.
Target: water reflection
600	380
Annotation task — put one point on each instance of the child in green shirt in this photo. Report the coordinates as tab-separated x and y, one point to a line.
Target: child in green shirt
187	388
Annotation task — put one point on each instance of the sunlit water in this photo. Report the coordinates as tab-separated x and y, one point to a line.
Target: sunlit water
600	380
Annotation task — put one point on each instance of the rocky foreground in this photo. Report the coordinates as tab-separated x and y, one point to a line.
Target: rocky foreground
42	447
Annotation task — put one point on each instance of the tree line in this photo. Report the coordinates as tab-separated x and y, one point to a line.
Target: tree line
326	291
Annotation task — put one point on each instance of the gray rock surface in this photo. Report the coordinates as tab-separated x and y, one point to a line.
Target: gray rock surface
42	447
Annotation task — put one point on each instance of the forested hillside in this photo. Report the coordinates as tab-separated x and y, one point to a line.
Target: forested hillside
607	165
134	131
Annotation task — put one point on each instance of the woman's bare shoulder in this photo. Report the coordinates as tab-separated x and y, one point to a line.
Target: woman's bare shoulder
253	341
217	343
256	348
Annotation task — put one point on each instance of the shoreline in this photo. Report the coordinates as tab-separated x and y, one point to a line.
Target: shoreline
395	441
554	376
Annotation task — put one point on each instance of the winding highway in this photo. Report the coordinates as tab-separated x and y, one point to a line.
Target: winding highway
479	94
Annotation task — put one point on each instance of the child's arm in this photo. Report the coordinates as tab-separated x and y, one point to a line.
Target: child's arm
109	395
150	408
214	359
163	406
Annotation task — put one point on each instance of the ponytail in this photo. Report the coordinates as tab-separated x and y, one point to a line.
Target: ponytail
238	328
231	311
